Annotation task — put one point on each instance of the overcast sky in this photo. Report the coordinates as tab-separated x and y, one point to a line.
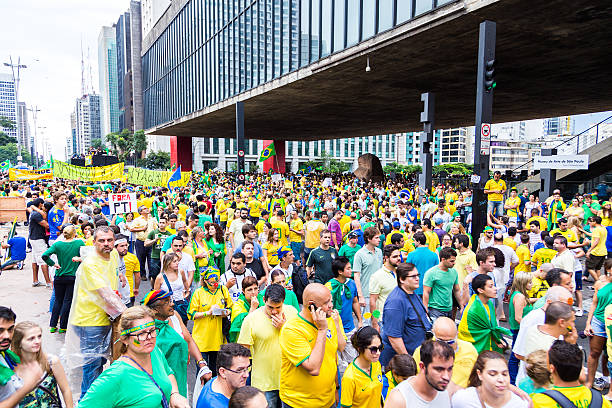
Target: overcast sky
47	36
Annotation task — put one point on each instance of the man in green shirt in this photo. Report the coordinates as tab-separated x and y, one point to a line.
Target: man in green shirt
590	207
319	263
351	247
439	285
156	239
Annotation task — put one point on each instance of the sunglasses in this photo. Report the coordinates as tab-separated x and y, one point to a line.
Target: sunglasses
375	349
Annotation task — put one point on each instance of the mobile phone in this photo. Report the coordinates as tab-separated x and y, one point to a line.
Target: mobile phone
311	304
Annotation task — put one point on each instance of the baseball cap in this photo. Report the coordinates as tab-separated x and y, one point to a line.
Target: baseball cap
488	229
353	234
282	251
396	224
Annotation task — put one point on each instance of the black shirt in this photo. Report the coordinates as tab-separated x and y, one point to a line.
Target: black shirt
257	268
37	231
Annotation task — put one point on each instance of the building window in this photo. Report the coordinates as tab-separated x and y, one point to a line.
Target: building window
228	147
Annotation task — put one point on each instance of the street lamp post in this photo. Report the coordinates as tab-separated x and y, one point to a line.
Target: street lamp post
33	149
17	67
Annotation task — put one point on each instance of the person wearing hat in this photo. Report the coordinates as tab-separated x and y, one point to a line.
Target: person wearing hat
286	258
174	340
209	305
350	248
487	239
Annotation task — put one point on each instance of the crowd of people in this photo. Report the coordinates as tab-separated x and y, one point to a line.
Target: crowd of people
305	293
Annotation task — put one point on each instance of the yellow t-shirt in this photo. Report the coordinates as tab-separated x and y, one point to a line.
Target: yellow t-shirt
255	208
313	230
579	395
542	256
283	230
568	234
132	266
183	211
272	252
299	389
96	273
260	225
207	330
541	220
513	212
523	254
495	185
463	260
393	232
295	224
220	207
433	241
602	234
263	338
510	242
538	287
360	389
465	357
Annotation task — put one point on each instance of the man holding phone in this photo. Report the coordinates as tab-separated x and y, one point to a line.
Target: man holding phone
309	343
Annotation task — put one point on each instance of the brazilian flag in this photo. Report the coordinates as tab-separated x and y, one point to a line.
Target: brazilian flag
5	165
479	325
267	152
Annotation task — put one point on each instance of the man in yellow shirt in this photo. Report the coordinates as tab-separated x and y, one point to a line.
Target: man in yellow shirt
565	364
309	343
296	233
282	227
544	255
596	255
524	255
96	300
222	206
512	205
312	230
495	189
433	242
541	220
566	232
445	330
260	332
255	207
465	262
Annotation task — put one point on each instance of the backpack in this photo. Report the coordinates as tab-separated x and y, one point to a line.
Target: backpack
564	402
300	281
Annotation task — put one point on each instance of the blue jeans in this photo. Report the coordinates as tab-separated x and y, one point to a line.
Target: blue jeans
143	254
435	313
513	362
297	247
273	399
495	207
95	343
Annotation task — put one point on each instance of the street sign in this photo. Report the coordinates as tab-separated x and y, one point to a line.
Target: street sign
574	162
485	139
241	153
122	203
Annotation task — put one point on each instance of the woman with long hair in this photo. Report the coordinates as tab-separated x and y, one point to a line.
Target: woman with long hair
606	214
216	243
171	280
27	344
246	303
141	377
520	304
574	210
489	385
362	381
270	248
198	250
68	261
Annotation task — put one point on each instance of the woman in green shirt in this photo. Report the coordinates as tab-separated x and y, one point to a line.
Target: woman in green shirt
216	244
68	261
520	305
141	377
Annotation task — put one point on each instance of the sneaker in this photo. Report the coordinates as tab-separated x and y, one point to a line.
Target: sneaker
52	329
20	265
35	284
47	285
579	313
599	384
62	331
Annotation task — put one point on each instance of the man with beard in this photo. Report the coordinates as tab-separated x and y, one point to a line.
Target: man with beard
383	282
235	231
13	388
234	276
428	387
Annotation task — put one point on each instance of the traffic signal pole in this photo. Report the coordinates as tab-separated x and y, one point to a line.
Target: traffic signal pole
427	119
240	142
485	85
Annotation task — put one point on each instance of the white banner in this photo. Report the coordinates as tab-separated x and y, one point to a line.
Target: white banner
122	203
576	162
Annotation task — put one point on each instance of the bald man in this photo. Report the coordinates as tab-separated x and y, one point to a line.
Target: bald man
445	330
309	343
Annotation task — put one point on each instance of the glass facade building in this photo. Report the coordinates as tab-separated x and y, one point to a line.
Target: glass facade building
213	49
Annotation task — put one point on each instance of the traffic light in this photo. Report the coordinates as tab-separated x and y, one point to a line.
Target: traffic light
489	80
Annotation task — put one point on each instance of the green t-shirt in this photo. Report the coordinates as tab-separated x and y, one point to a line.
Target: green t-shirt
322	259
441	284
161	238
590	211
122	385
64	251
349	252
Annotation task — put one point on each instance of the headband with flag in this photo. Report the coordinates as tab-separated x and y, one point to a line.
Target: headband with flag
211	271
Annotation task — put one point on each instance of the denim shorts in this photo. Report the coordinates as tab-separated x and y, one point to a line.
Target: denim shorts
598	327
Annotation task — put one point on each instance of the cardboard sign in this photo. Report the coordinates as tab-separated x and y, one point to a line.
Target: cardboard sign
122	203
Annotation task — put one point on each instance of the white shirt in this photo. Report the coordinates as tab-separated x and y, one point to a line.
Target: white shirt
533	318
414	400
236	290
468	398
510	257
564	260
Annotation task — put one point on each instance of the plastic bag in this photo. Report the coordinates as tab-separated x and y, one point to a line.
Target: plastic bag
197	387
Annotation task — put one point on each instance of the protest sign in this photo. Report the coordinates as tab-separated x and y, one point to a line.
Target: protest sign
103	173
18	174
144	177
122	203
327	182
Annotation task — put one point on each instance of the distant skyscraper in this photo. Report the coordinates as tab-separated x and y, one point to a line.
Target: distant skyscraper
24	129
560	126
86	123
509	130
128	36
152	10
71	140
107	69
8	103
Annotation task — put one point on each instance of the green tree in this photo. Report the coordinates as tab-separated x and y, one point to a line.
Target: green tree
9	152
402	168
455	169
156	161
97	144
127	145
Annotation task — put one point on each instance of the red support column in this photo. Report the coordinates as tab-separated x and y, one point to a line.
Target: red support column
276	163
180	152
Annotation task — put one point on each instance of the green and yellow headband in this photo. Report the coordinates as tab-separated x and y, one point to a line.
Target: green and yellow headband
138	328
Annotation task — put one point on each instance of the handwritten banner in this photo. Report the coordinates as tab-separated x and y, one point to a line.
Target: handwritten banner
103	173
18	174
144	177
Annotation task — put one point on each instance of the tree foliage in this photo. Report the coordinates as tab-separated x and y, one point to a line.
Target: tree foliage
97	144
328	164
8	144
156	161
456	169
406	169
127	145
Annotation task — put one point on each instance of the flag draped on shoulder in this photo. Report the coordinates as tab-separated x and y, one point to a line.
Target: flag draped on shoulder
267	152
479	326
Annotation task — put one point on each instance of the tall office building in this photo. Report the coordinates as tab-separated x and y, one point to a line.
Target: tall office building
509	130
152	10
107	75
128	37
71	140
23	128
86	123
8	103
559	126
